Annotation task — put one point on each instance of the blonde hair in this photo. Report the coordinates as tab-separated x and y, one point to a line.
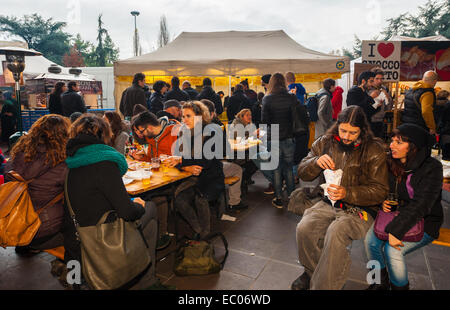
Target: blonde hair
242	112
290	77
199	109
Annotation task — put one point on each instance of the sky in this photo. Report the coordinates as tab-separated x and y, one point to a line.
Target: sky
321	25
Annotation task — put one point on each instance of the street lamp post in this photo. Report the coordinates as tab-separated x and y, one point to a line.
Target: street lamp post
136	43
15	62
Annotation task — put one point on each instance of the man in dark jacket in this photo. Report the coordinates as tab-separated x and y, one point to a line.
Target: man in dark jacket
250	94
348	210
157	98
357	95
176	93
208	93
133	95
71	101
191	92
172	109
237	102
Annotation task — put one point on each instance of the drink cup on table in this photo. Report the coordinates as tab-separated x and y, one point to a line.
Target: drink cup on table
156	163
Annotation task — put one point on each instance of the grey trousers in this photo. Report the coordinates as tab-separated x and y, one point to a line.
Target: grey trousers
234	191
323	236
150	230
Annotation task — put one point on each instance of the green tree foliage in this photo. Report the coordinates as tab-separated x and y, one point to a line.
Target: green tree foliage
106	52
43	35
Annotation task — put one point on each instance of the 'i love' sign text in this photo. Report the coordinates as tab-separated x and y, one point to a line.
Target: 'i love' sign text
384	54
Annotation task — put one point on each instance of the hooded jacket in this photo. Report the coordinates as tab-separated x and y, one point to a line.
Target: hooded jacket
48	183
424	176
324	112
336	101
156	103
365	174
419	106
163	142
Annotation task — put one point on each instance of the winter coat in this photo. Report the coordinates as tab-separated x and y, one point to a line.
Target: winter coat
55	105
419	105
191	92
208	93
163	142
356	96
425	174
365	176
177	94
156	103
236	103
324	112
47	184
300	93
72	102
211	180
94	187
132	96
276	109
336	101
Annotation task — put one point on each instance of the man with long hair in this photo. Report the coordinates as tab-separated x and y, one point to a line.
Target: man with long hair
327	229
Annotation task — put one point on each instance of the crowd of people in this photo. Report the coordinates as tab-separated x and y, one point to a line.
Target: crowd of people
86	152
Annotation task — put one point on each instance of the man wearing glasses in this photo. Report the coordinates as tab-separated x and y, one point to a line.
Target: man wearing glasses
382	99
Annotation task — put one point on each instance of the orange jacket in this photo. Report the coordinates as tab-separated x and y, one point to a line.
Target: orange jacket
162	144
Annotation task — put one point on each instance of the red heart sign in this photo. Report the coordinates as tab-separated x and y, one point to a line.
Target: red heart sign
385	50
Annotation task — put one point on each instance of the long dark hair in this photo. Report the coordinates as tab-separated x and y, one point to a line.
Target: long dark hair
115	122
277	84
395	166
58	88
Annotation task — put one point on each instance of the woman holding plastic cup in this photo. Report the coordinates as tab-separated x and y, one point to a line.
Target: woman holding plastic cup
415	181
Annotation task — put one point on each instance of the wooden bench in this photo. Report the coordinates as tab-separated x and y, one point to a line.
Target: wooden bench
57	252
444	237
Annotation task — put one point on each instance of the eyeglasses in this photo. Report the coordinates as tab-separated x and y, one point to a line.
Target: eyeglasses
141	131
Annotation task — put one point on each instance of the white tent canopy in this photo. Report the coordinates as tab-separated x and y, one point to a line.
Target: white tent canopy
232	53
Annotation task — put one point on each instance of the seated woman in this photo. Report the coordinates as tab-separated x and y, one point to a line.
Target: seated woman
209	172
40	155
119	136
243	118
416	178
95	186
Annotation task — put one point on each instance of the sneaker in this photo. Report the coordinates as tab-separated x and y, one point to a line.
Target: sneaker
269	190
163	242
301	283
240	206
277	203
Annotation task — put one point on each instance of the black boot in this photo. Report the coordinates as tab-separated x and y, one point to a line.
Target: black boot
384	285
400	288
301	283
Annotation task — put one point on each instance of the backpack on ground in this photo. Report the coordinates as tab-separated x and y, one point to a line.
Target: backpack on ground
19	222
198	257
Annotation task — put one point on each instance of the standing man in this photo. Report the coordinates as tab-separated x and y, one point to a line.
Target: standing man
358	95
295	88
326	230
176	93
237	102
132	96
71	101
382	100
188	88
157	98
420	101
250	94
324	109
209	93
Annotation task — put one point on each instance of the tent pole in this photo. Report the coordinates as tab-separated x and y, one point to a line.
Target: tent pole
396	105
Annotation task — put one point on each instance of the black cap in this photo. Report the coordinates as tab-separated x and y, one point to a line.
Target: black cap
172	103
417	135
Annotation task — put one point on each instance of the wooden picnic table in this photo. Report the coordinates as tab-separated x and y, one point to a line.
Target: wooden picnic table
160	178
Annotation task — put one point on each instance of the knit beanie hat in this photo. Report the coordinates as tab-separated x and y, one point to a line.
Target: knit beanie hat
417	135
172	103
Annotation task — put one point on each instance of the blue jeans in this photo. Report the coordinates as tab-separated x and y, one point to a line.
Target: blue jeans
393	259
268	174
284	170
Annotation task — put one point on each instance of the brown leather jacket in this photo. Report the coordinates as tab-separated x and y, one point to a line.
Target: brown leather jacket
365	176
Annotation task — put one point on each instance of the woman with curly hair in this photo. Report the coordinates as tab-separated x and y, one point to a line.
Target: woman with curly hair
119	136
40	156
